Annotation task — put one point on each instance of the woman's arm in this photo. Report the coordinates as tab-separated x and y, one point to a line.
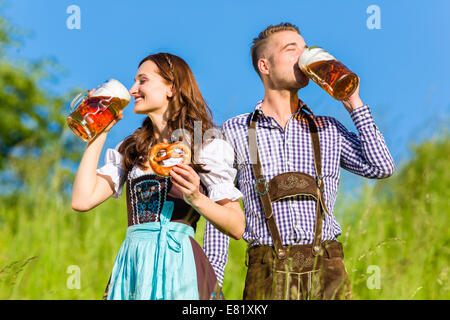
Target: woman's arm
226	215
89	188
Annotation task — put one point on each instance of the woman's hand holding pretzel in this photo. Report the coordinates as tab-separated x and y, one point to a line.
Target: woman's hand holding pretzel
187	181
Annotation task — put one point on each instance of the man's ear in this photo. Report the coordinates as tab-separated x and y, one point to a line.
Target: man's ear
263	66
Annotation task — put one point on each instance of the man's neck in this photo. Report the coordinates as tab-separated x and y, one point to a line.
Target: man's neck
280	105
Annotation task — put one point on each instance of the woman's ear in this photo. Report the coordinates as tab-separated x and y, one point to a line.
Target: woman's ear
170	92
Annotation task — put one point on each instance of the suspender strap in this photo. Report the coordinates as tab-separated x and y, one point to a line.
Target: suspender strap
262	188
320	203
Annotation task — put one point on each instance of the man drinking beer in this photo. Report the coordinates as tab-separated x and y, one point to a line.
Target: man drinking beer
288	161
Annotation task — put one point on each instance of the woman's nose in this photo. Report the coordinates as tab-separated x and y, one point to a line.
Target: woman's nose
133	89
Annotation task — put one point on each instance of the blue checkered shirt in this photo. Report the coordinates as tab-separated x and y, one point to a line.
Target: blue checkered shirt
280	151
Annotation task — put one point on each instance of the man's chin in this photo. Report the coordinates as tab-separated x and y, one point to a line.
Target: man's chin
302	83
295	86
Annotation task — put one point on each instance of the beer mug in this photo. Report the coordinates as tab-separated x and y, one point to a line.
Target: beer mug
330	74
92	114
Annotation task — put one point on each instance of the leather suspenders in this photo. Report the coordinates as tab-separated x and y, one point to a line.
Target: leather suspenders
262	188
289	184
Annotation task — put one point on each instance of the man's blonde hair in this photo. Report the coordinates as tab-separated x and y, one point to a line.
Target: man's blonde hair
261	40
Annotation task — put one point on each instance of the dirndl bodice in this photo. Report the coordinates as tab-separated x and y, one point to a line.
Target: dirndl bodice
146	196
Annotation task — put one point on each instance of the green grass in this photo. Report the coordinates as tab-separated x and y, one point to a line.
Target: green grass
399	226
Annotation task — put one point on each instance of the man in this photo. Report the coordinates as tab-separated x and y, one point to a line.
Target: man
293	249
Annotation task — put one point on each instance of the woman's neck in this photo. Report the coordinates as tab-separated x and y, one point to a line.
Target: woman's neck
160	127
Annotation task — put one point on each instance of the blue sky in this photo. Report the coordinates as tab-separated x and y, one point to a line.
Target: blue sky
403	66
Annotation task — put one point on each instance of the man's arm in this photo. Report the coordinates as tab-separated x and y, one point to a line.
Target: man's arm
218	157
367	154
215	245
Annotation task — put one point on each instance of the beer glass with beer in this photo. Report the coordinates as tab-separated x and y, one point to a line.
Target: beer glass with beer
91	114
330	74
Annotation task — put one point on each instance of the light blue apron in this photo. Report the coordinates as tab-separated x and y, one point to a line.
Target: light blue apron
155	262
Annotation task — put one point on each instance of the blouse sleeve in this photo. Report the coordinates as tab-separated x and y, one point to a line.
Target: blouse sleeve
113	168
217	155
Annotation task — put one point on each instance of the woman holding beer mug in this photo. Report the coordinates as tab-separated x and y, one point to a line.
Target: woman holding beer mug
159	259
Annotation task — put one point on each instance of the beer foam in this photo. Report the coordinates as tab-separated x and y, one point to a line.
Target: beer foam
314	54
112	88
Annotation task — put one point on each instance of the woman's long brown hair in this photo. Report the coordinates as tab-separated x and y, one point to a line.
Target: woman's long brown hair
186	106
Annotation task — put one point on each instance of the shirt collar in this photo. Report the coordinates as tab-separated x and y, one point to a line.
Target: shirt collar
260	114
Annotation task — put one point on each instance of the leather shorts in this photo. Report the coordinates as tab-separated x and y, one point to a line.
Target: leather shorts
298	276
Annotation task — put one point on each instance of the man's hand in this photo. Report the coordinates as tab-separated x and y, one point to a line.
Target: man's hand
354	101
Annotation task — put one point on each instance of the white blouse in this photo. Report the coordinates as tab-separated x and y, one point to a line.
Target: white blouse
217	155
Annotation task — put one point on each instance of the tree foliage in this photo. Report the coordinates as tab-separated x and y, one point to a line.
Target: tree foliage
32	122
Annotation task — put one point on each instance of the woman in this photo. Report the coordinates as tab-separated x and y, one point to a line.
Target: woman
159	259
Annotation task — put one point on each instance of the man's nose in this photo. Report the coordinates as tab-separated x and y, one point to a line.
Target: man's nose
299	52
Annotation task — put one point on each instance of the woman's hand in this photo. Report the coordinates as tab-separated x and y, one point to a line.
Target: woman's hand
187	181
226	215
114	122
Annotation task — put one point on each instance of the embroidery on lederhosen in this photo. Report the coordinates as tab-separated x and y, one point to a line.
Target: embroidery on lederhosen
294	288
295	279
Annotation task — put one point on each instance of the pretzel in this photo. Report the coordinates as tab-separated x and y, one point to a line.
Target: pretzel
154	159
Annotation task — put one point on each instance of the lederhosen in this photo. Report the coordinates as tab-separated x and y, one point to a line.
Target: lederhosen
310	271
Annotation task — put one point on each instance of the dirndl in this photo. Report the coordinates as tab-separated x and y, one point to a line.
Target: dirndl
155	262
